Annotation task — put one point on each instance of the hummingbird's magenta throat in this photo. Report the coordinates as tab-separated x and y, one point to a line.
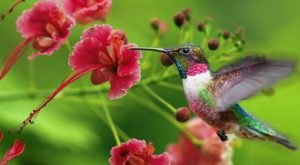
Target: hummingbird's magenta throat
195	68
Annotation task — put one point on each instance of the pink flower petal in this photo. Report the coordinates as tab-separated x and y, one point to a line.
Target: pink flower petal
162	159
101	33
88	11
87	51
120	85
128	56
121	154
129	69
136	152
100	76
212	152
15	150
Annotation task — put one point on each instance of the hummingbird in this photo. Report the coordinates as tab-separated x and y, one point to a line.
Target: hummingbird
214	95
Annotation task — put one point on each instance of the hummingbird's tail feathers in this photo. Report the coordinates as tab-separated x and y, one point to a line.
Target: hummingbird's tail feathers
266	133
285	142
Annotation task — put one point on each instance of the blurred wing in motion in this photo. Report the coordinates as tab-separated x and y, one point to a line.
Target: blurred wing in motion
245	78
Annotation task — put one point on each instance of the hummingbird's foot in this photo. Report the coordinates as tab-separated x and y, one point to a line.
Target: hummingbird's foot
222	135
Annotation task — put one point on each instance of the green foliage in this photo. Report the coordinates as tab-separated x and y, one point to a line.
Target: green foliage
70	132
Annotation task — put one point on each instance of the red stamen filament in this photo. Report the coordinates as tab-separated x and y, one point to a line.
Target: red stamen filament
14	56
11	9
65	83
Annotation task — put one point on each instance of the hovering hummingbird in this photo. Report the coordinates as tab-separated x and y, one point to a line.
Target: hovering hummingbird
214	96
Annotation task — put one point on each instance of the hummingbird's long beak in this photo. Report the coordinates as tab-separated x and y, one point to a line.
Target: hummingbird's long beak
151	49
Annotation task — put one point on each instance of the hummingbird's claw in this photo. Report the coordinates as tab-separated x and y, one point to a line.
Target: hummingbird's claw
222	135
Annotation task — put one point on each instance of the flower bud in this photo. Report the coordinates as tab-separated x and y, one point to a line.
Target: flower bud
155	23
183	114
165	60
213	44
226	34
179	19
201	27
187	13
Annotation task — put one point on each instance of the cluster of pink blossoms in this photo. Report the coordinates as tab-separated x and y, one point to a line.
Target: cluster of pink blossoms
47	25
184	152
105	53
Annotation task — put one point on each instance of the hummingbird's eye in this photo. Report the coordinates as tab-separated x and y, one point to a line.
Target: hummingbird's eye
185	50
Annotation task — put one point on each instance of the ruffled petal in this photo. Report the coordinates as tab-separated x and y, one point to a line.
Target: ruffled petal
88	11
162	159
100	33
121	153
120	85
129	69
85	53
128	55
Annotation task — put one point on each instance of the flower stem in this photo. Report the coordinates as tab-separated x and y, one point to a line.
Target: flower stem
31	77
155	95
69	47
111	123
171	86
120	132
15	95
151	106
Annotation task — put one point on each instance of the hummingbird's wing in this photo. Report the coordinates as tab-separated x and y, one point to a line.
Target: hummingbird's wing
245	78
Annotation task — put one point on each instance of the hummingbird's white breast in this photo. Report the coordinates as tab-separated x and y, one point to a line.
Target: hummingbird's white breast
193	84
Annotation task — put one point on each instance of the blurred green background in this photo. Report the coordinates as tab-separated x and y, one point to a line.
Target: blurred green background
68	132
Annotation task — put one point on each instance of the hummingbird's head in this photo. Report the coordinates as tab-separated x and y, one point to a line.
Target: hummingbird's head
187	57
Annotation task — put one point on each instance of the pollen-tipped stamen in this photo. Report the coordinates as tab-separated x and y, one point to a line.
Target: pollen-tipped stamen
14	56
65	83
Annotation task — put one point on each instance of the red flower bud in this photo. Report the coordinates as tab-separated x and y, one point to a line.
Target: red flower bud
15	150
226	34
213	44
165	60
187	13
179	19
183	114
201	27
155	23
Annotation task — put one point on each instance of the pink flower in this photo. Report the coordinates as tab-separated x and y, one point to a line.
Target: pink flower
45	26
212	152
15	150
104	52
101	45
136	152
87	11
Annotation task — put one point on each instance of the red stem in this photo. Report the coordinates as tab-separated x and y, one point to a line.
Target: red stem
11	9
14	56
65	83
